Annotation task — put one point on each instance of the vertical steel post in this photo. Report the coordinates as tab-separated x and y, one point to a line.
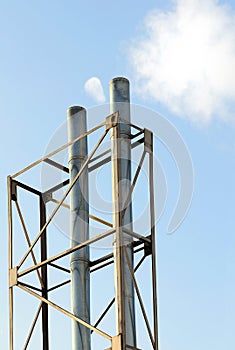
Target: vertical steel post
121	177
43	242
154	267
79	220
10	261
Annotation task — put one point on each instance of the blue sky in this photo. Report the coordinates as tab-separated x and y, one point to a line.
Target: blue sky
49	50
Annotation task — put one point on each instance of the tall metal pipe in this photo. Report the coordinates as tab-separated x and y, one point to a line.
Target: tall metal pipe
121	173
79	232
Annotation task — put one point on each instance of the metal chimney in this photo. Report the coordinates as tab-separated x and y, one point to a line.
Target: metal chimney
79	218
121	183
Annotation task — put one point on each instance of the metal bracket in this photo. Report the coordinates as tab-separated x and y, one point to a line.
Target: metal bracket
14	191
47	197
147	247
13	278
112	120
148	141
116	343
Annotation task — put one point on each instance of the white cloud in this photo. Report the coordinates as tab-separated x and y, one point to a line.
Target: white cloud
94	88
185	59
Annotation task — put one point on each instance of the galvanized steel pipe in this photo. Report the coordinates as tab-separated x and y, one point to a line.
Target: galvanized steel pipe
121	148
79	229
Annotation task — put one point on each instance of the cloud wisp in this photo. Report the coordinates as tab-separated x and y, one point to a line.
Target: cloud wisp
185	59
93	87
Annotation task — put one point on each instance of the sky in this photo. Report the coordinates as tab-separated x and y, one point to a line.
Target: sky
180	59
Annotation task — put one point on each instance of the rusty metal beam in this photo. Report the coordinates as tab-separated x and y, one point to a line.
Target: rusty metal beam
10	262
153	239
139	297
66	252
43	244
67	313
28	240
51	154
63	198
33	326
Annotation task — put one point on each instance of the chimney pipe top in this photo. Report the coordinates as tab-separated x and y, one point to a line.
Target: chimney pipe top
119	79
73	110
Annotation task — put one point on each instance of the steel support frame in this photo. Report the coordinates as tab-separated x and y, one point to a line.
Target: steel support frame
43	243
141	243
